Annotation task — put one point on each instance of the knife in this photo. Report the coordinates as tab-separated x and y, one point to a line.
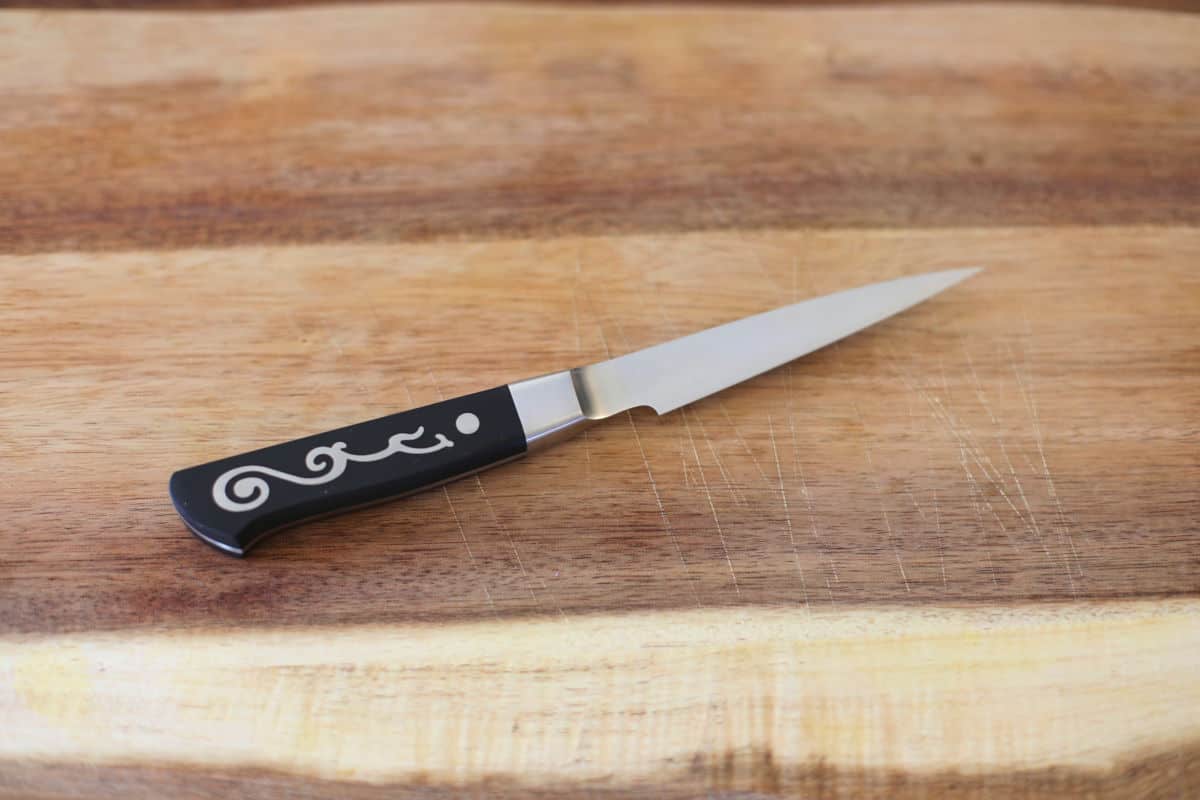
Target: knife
234	502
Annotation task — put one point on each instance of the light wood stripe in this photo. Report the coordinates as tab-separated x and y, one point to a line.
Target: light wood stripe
621	697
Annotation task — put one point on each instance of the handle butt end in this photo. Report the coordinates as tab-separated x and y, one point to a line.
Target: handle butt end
183	497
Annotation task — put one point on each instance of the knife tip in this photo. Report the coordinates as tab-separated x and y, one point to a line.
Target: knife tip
946	278
962	274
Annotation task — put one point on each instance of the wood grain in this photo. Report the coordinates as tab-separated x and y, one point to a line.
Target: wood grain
407	122
954	556
1030	435
235	5
773	701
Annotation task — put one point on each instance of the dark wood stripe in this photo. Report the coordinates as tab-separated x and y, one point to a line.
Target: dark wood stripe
1170	774
522	135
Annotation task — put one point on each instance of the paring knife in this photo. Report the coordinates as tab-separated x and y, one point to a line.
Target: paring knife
233	503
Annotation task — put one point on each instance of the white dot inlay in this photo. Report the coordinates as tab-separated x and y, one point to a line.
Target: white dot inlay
467	423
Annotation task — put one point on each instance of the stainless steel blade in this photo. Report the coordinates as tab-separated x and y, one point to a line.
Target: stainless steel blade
675	373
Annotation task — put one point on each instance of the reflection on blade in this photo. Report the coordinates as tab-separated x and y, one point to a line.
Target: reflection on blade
675	373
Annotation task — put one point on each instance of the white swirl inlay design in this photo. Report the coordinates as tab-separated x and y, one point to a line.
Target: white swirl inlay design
250	489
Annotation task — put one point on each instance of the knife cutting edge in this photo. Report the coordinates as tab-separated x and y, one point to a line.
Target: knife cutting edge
234	502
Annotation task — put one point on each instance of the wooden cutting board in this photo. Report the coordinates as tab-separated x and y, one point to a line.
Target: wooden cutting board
953	556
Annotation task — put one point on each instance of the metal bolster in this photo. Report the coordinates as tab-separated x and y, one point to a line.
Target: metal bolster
549	408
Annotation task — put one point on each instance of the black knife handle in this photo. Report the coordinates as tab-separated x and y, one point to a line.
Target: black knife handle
235	502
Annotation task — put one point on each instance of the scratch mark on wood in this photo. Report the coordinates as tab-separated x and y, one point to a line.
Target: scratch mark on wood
812	522
672	332
458	521
662	509
797	466
973	491
511	541
470	555
558	608
787	512
1032	518
941	412
978	383
1037	530
937	520
496	517
711	506
968	445
908	489
738	434
988	503
791	387
729	484
882	506
691	438
687	472
990	472
797	470
937	510
1026	385
928	477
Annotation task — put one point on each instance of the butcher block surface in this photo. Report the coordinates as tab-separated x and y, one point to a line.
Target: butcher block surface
955	555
